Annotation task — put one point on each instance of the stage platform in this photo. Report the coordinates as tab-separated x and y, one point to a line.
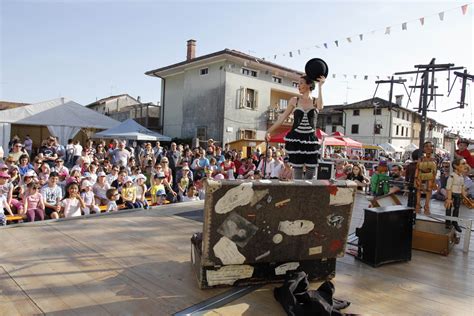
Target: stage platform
138	263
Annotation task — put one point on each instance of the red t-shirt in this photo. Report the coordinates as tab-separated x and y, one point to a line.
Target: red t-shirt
466	155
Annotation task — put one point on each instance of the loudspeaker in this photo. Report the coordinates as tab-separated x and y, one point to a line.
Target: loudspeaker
386	235
325	170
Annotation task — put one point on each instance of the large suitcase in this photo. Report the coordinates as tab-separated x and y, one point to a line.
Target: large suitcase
255	231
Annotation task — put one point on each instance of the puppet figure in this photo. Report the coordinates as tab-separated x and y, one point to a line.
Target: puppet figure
425	177
456	191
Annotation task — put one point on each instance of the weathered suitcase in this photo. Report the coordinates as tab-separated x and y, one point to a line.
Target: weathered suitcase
433	236
255	231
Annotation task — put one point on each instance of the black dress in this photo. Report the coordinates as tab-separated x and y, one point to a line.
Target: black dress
301	143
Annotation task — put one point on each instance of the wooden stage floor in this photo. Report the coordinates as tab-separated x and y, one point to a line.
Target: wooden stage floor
138	263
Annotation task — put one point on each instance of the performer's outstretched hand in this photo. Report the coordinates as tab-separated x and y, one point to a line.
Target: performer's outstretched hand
321	80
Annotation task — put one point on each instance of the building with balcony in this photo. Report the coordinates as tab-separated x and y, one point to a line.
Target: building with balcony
226	95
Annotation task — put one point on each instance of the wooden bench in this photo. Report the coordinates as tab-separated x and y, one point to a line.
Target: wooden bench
14	219
103	208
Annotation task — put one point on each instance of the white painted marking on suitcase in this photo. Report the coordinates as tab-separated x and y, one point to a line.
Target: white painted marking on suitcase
229	274
295	228
265	181
278	238
343	196
226	250
289	266
334	220
263	255
238	196
315	250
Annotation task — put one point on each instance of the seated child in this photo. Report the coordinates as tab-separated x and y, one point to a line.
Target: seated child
157	189
141	190
129	193
89	200
4	205
112	196
192	194
72	203
34	204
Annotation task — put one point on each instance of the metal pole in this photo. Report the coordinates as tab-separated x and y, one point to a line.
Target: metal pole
390	111
424	96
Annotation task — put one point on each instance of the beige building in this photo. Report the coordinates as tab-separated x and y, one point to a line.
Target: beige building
122	107
225	95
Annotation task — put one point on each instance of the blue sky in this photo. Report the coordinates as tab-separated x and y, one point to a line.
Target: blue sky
85	50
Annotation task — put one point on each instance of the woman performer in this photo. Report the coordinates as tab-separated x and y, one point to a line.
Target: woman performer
301	143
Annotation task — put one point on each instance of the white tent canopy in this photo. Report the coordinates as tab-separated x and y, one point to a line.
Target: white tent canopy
130	129
387	147
411	147
64	119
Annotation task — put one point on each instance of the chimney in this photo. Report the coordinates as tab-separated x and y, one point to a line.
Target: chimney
191	52
398	99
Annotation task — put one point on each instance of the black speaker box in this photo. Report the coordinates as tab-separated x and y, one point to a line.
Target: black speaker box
325	170
386	235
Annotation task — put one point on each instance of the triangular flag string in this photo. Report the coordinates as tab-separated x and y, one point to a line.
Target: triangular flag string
387	30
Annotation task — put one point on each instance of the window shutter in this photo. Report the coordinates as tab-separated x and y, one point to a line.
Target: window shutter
242	97
255	100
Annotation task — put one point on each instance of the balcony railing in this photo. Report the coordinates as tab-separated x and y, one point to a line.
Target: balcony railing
272	115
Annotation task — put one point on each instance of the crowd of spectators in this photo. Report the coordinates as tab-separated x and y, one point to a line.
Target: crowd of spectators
66	181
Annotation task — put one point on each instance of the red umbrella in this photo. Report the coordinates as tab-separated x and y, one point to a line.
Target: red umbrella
320	134
333	141
349	142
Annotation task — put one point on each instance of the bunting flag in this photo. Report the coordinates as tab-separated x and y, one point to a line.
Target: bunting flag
388	30
366	77
334	76
355	76
378	77
345	76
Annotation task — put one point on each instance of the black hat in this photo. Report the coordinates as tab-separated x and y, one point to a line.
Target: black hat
316	68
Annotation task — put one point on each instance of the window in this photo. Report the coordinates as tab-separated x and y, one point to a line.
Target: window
249	72
408	116
201	132
248	98
377	129
283	104
398	114
248	134
204	71
295	84
396	133
377	111
276	79
334	129
355	129
403	115
329	120
356	113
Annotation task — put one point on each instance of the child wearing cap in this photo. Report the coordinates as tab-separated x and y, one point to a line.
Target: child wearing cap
129	193
34	203
141	190
183	182
100	189
88	196
52	195
157	190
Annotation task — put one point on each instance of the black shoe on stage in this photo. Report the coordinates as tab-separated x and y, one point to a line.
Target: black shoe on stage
456	227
